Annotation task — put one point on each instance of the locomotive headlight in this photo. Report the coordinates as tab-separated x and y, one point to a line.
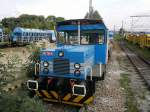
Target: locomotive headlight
77	73
46	70
45	64
77	65
60	53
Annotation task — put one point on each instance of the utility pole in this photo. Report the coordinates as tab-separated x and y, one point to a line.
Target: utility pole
90	9
122	24
114	29
122	27
90	5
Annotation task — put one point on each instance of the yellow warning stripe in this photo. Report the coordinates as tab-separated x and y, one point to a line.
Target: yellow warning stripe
89	100
54	94
67	97
78	98
37	92
75	101
46	94
65	102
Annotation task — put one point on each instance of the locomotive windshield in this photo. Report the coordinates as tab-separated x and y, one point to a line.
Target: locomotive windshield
85	38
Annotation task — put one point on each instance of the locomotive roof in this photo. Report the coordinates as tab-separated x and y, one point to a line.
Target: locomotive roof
86	24
19	29
82	21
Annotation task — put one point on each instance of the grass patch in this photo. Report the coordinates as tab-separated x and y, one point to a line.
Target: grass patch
4	43
130	99
141	51
13	103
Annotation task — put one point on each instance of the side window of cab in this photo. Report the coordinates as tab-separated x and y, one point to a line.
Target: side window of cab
100	39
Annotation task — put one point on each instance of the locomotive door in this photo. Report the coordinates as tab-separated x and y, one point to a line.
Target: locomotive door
100	42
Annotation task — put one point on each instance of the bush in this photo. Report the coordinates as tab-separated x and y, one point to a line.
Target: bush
33	58
14	103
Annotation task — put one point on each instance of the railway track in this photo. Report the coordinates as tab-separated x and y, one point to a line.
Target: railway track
142	66
140	56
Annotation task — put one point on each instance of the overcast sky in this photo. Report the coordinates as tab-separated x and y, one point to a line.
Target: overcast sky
112	11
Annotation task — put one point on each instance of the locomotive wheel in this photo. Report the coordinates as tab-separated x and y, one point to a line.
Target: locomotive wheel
103	74
90	85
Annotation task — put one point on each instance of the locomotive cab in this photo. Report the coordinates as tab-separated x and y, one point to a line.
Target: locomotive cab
68	73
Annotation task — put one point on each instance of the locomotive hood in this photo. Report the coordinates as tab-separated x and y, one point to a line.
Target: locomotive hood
75	53
62	60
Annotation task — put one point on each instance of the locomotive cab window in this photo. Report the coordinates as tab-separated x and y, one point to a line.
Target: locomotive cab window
86	37
92	37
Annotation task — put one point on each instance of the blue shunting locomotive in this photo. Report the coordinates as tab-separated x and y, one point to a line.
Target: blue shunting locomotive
68	73
25	35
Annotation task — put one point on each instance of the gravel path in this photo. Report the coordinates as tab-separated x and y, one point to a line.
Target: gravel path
109	95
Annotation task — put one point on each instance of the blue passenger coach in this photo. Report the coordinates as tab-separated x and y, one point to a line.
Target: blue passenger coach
25	35
111	35
68	73
1	34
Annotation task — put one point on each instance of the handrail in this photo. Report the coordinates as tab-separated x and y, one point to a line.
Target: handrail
37	64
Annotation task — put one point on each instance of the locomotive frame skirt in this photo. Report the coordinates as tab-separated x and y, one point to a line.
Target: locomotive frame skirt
69	98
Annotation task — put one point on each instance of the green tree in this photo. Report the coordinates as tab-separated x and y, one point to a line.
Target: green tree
51	18
93	15
96	15
58	19
7	30
1	24
30	21
121	31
